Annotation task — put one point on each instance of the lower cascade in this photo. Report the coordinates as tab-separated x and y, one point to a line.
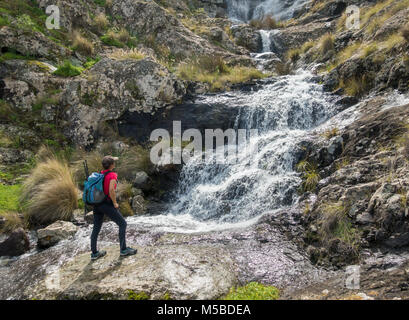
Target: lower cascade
212	194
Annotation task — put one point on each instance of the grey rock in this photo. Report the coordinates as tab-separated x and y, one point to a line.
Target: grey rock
183	272
55	232
15	244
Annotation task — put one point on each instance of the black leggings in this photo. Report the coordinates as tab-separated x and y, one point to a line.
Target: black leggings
113	214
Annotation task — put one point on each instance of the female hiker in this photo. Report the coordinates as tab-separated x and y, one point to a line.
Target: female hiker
109	207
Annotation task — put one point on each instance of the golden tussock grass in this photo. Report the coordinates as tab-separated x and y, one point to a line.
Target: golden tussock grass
82	44
50	193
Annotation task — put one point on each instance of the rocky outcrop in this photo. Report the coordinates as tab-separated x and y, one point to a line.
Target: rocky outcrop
153	273
365	177
55	232
15	244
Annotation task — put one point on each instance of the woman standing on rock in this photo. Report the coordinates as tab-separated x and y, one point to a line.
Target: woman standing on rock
110	208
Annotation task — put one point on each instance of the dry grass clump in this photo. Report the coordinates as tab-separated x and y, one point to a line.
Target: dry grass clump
327	43
82	44
12	222
121	54
357	86
266	23
101	22
50	193
405	32
335	224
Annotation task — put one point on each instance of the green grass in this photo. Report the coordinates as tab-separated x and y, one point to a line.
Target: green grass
132	295
214	71
90	62
68	70
4	21
310	175
12	56
9	197
253	291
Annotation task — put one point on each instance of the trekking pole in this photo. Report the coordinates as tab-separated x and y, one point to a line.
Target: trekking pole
86	177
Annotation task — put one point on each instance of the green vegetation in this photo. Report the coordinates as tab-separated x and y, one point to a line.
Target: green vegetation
119	38
214	71
68	70
9	197
12	55
310	175
90	62
30	18
335	224
253	291
132	295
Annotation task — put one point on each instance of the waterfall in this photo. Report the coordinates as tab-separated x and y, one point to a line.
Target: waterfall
246	10
212	194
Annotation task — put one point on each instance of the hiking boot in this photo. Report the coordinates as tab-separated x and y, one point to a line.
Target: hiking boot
128	252
98	254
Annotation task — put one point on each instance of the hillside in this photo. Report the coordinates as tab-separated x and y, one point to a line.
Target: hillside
331	185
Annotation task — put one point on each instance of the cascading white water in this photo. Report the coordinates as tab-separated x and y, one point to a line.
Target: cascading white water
246	10
266	40
209	194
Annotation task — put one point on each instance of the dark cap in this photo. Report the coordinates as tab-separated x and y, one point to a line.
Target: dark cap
107	161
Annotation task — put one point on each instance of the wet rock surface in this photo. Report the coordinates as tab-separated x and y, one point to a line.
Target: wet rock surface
198	266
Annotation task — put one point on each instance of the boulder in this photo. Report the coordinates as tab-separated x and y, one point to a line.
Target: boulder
55	232
181	271
138	205
15	244
142	181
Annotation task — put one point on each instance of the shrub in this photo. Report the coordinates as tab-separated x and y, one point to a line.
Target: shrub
358	86
121	54
327	43
335	224
111	39
253	291
405	32
50	193
293	55
81	44
123	35
101	22
68	70
310	175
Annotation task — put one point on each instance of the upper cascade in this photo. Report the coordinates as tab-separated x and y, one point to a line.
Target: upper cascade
246	10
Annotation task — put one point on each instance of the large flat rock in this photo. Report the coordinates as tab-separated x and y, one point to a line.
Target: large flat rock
183	272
